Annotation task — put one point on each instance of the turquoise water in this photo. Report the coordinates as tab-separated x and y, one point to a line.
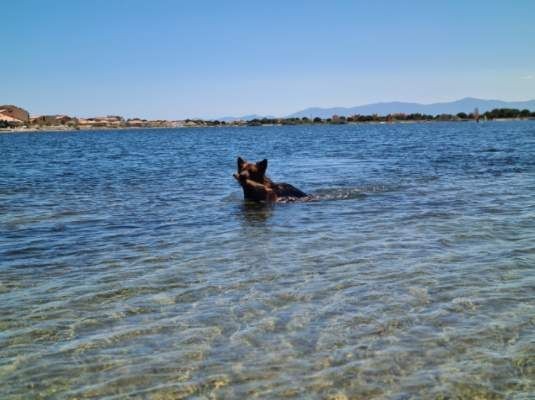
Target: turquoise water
131	266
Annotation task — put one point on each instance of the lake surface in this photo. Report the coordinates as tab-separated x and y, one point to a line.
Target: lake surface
131	266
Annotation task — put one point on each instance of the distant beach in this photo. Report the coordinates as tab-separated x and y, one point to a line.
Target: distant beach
17	119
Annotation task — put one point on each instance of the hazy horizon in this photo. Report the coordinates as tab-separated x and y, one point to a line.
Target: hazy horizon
177	60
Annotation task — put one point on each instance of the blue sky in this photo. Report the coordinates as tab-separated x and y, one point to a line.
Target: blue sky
177	59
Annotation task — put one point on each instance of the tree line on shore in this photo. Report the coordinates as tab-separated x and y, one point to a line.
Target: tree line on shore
499	113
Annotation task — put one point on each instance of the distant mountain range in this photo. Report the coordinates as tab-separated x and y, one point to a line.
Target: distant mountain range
244	118
466	105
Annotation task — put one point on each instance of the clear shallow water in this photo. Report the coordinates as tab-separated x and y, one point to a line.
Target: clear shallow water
130	265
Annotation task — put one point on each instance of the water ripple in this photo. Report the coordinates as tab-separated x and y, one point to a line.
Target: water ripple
131	266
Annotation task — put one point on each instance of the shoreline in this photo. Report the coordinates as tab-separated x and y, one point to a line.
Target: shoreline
245	124
69	130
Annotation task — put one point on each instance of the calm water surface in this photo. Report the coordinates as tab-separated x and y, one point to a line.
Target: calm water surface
130	265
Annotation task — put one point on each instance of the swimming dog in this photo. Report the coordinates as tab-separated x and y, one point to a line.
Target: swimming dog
258	187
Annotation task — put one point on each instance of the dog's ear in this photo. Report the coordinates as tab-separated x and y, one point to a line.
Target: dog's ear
262	166
241	162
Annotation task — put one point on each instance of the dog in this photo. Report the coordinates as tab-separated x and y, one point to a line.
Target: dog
258	187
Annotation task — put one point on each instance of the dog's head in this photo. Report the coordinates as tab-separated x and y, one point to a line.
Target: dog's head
253	171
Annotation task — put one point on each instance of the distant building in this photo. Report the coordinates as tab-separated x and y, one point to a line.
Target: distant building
52	120
11	120
476	114
13	114
136	122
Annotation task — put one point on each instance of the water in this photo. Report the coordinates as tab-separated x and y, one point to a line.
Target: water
131	266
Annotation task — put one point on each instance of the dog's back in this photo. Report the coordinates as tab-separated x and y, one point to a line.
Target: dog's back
287	190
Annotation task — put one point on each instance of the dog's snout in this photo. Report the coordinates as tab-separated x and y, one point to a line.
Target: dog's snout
242	176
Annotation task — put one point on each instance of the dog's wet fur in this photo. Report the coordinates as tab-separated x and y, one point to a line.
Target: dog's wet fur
258	187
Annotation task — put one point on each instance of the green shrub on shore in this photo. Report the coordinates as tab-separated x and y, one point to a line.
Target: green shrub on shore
7	124
502	113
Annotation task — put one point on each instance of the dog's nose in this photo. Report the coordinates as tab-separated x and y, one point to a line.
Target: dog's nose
242	176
